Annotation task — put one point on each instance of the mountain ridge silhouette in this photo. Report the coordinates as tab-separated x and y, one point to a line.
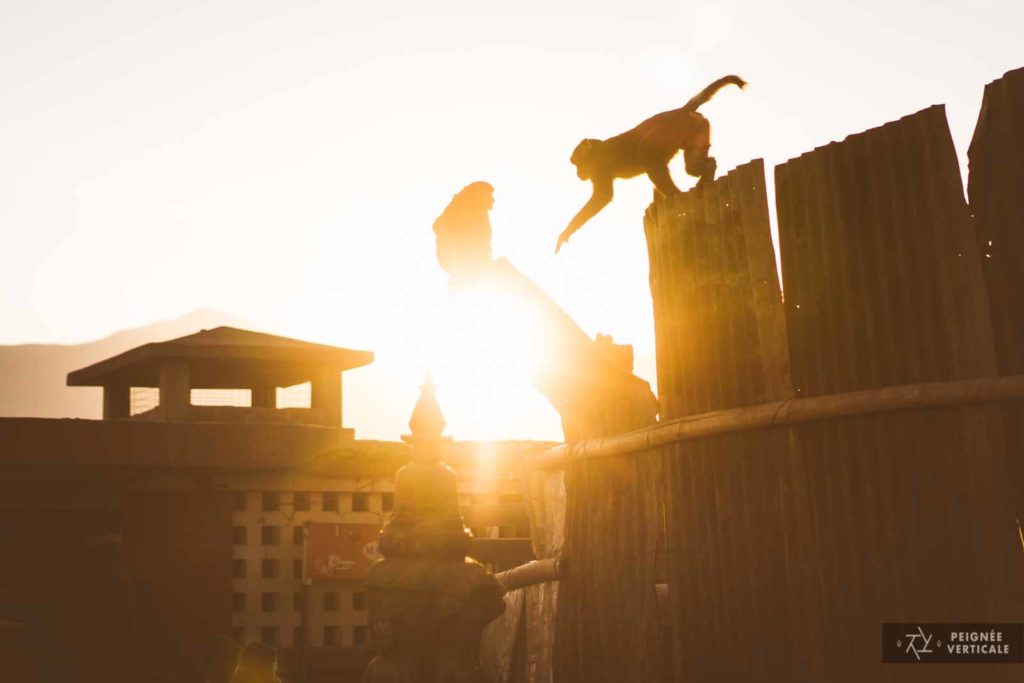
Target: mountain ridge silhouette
33	376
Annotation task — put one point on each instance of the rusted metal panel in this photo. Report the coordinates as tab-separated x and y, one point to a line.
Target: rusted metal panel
884	286
744	587
995	188
789	546
541	614
996	191
880	263
909	523
498	640
545	493
792	545
721	343
721	339
606	629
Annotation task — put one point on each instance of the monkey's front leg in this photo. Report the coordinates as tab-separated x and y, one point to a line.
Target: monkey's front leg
708	173
700	164
562	239
599	199
662	180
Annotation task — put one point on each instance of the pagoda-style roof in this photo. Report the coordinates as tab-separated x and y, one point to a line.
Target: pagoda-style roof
224	357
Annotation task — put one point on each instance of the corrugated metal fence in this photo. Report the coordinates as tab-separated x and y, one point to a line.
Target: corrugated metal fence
790	546
721	338
996	192
881	269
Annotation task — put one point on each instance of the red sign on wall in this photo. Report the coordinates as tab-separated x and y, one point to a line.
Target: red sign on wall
339	551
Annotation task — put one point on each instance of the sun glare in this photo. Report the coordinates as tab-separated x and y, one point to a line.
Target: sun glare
487	348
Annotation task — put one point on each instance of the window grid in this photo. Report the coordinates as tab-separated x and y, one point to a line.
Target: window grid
318	615
331	636
295	396
142	399
270	535
238	398
269	569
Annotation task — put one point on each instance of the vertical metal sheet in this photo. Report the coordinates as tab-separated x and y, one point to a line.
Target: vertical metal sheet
884	286
498	640
721	343
720	334
996	191
789	547
607	619
545	495
744	583
880	262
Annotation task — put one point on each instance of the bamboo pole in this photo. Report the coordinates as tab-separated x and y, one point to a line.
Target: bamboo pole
791	411
531	573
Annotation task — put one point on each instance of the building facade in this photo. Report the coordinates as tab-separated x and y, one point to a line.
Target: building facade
219	507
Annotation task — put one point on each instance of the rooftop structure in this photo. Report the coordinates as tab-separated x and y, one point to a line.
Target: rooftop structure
224	375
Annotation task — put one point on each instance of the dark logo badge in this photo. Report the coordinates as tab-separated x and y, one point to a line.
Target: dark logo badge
952	643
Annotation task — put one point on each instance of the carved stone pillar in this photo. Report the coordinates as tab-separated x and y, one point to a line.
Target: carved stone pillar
428	601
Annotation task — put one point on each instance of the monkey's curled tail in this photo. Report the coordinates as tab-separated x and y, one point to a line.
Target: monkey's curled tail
709	92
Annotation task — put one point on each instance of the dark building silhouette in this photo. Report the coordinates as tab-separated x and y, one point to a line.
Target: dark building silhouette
219	362
131	544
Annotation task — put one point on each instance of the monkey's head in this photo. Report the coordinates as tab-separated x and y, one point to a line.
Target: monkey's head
583	158
478	196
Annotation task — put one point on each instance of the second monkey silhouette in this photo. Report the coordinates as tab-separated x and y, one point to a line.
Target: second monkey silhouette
647	148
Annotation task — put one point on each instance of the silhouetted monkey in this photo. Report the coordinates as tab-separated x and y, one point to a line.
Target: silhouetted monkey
647	149
463	230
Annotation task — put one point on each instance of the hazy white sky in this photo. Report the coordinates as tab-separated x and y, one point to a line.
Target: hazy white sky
284	160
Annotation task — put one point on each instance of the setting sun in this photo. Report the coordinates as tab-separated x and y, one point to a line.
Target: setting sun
486	349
